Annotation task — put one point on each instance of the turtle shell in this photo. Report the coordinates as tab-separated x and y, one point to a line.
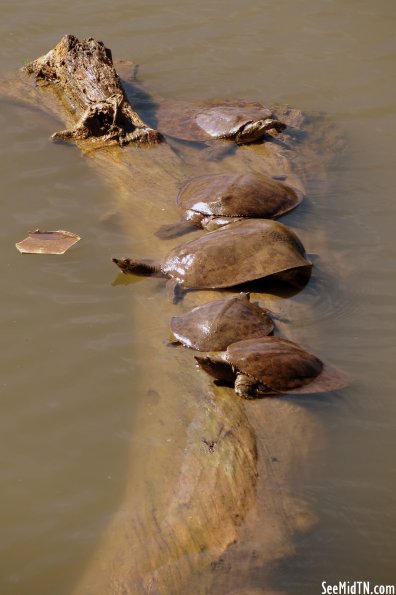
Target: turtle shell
226	121
284	366
238	195
208	119
244	251
214	326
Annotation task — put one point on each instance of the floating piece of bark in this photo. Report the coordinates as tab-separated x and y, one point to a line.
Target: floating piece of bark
47	242
83	75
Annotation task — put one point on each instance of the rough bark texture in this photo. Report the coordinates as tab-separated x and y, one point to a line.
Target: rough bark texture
83	74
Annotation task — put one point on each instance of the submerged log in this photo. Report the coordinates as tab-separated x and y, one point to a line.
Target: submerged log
219	492
83	75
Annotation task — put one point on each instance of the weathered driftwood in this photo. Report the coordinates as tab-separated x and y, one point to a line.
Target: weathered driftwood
83	74
225	478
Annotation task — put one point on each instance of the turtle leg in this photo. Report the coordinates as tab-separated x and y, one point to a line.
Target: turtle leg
248	388
212	223
194	217
175	292
245	387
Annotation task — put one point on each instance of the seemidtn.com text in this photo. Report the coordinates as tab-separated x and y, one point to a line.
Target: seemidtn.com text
356	588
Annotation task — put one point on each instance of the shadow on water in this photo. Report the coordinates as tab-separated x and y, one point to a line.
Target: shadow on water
141	100
269	286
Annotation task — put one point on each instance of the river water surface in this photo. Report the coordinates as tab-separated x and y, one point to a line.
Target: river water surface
67	371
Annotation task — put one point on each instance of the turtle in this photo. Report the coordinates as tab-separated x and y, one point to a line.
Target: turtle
245	251
214	326
237	120
270	366
212	200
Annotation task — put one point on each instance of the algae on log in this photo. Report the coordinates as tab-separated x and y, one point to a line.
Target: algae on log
219	483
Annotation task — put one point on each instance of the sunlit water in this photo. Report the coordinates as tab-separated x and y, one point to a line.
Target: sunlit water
67	374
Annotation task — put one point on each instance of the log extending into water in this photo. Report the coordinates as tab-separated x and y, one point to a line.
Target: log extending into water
226	480
86	81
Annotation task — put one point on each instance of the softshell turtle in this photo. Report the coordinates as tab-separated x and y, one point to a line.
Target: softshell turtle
215	199
238	120
214	326
272	366
245	251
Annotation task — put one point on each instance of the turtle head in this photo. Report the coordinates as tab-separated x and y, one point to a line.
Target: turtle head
255	129
217	367
137	267
122	263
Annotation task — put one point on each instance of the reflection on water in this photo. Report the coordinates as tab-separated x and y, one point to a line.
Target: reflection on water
70	408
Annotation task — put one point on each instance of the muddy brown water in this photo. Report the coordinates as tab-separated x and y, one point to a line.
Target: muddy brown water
73	416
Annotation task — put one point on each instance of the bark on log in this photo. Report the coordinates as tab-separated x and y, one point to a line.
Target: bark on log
83	75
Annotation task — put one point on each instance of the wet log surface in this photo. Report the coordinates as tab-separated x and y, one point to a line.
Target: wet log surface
220	505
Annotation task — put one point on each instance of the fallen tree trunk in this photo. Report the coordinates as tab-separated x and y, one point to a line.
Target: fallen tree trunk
83	75
172	530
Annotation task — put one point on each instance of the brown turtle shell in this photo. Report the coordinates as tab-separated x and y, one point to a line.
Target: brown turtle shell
284	366
214	326
208	119
238	195
244	251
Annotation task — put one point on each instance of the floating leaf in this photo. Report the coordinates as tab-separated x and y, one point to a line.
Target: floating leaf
47	242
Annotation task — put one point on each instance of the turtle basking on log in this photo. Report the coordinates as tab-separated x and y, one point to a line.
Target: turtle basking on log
214	200
217	199
237	120
270	366
214	326
244	251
